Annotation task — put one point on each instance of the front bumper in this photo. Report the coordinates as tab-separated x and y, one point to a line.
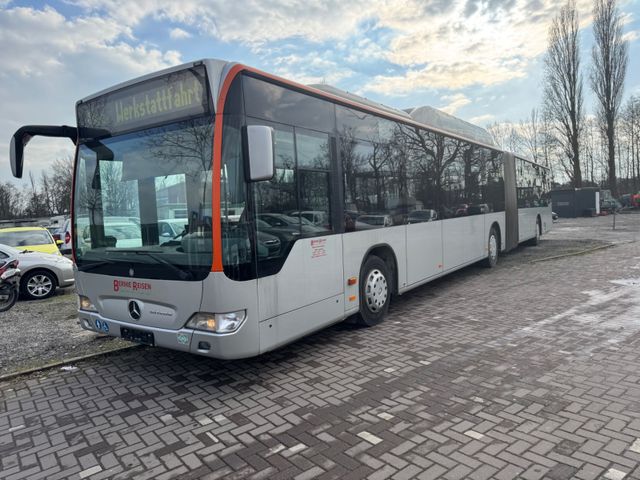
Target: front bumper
239	344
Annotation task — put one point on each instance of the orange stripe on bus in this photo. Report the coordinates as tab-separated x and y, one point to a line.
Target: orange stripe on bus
216	209
72	228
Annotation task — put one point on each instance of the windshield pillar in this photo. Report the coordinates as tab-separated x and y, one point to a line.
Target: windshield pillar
147	203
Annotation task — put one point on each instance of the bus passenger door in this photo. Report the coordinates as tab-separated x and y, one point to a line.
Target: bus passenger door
299	280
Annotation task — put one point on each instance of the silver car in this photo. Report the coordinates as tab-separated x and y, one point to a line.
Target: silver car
41	273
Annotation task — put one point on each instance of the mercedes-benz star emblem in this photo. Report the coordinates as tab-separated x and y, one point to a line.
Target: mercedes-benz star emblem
134	310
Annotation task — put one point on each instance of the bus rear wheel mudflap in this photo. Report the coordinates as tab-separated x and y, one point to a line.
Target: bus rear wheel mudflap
375	291
493	248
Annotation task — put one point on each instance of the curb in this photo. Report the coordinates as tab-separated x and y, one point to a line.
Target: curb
19	373
572	254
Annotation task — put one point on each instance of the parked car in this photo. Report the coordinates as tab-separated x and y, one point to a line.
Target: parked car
120	234
554	216
279	221
317	217
37	239
366	222
65	237
462	210
170	228
418	216
478	209
41	273
610	205
53	230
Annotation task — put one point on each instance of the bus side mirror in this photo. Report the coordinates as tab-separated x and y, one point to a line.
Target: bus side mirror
26	133
17	154
261	152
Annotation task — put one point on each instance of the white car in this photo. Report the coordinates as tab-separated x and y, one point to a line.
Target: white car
40	273
170	228
367	222
419	216
65	237
123	234
316	217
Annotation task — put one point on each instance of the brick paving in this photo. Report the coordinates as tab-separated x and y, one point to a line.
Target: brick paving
530	370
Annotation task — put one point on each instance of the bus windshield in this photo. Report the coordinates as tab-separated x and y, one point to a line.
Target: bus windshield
130	188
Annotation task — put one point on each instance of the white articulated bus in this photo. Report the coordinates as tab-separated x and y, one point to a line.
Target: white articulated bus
224	211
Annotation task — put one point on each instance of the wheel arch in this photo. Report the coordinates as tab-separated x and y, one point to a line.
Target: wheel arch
33	270
388	255
496	227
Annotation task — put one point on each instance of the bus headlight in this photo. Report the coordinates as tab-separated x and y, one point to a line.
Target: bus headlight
85	304
217	322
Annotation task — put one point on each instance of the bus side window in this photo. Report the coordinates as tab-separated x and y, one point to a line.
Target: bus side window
275	200
314	182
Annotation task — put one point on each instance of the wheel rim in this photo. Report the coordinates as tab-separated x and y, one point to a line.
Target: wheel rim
537	231
493	247
39	285
376	291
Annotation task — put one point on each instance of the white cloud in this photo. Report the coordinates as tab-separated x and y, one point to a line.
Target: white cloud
485	44
49	62
454	103
452	76
249	21
310	68
482	120
178	34
436	44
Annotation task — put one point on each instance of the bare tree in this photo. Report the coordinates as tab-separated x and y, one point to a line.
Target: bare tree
61	184
631	130
505	136
610	57
10	202
563	92
530	135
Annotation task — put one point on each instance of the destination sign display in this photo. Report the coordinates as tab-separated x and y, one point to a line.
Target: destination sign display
163	99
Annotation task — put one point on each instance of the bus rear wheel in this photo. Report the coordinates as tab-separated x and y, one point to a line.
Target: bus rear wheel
375	291
493	247
535	241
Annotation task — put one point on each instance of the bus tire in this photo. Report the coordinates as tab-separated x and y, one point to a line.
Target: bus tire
375	291
493	248
535	241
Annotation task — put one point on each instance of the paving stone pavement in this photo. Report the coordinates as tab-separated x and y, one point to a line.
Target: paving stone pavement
529	370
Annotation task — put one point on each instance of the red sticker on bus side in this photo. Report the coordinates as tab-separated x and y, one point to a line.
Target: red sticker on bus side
318	247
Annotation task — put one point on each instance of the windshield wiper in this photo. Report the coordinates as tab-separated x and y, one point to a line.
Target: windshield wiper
182	273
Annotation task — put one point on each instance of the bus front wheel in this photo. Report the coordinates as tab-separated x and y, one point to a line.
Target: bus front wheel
375	291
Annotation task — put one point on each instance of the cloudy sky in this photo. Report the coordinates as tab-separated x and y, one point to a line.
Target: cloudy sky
478	59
